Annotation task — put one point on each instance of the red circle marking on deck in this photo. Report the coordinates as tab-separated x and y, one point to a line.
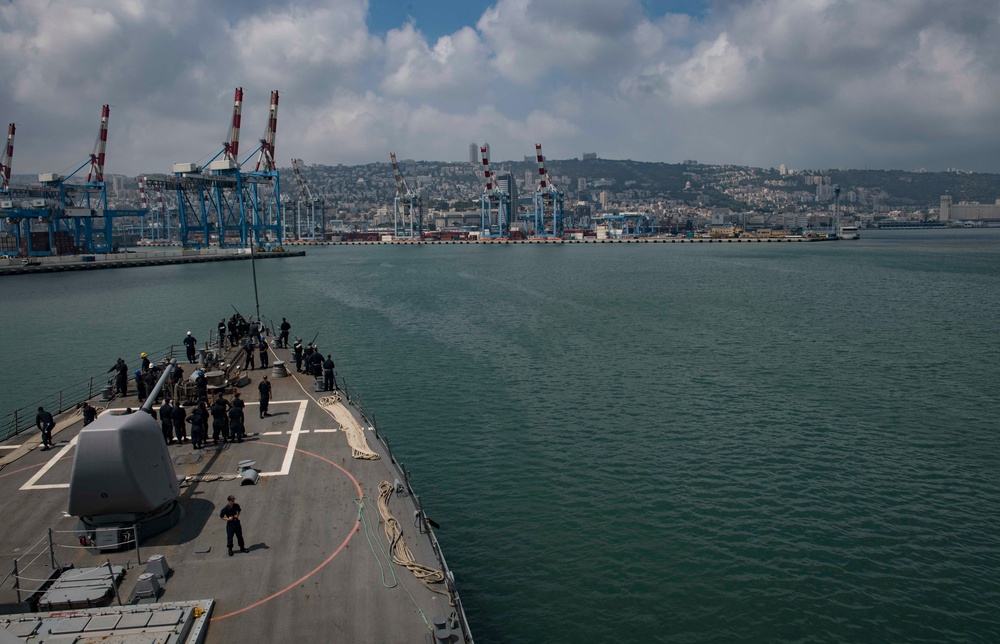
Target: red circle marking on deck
32	466
320	566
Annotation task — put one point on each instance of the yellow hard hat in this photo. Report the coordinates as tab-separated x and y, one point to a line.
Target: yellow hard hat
143	355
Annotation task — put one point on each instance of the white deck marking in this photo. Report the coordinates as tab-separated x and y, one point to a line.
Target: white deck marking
293	439
286	464
326	431
30	485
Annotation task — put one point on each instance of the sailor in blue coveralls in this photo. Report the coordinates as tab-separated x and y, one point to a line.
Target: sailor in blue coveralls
190	342
231	515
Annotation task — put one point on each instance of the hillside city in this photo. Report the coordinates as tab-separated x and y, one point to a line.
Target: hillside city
674	196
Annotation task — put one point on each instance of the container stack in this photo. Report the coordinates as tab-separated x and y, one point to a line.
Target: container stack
65	245
8	244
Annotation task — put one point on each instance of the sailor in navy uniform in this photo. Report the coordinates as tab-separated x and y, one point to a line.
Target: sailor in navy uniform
231	515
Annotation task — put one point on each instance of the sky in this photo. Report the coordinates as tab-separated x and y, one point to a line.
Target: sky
812	84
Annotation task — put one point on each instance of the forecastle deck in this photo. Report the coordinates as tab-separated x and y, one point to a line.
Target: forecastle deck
318	567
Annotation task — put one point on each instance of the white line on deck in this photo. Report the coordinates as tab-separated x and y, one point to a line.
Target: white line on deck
293	440
286	463
325	431
30	485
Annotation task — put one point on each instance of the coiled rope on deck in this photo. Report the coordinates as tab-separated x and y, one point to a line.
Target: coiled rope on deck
355	435
401	554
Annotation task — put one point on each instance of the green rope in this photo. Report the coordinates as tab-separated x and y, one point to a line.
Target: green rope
363	520
366	522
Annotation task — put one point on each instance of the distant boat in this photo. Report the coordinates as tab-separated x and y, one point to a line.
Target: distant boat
849	232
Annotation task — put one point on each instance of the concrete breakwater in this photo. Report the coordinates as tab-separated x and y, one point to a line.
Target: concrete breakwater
558	240
62	263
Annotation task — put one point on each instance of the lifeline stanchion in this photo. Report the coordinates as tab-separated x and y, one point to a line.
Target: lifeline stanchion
135	535
114	585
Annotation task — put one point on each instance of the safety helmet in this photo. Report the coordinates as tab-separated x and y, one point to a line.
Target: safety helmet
189	333
143	355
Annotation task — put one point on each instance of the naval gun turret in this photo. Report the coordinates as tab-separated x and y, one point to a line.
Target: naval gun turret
123	478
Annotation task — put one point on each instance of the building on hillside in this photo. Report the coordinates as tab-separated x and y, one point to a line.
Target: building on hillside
966	210
508	184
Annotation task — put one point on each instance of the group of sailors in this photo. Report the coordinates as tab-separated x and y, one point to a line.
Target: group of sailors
145	377
233	333
312	360
227	418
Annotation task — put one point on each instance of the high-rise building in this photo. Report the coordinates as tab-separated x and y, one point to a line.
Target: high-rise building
945	213
474	154
508	184
581	184
590	156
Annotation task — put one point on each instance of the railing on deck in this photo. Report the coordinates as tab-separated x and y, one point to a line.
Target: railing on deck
31	576
421	520
23	418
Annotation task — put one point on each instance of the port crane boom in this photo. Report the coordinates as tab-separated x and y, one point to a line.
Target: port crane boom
8	155
305	195
495	214
408	210
548	201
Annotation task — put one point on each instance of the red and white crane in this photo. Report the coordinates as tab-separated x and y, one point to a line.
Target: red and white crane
304	191
495	202
265	160
548	201
231	148
407	207
8	154
306	195
402	190
491	187
96	173
544	185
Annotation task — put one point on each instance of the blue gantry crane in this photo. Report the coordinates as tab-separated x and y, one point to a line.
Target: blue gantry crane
548	202
219	201
63	217
408	207
496	207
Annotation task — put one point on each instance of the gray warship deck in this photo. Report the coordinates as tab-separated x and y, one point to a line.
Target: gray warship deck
316	568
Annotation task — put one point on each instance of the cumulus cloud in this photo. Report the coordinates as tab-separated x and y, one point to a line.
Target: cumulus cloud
531	39
890	83
454	67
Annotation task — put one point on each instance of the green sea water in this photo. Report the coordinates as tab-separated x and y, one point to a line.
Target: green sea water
638	442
